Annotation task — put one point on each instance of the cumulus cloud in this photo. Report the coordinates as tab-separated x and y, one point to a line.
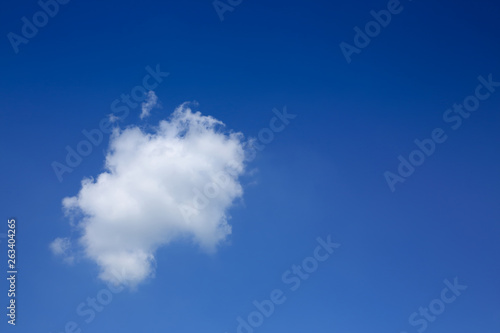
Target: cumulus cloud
175	181
150	102
62	247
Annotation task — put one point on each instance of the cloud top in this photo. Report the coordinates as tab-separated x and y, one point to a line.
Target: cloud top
147	195
150	103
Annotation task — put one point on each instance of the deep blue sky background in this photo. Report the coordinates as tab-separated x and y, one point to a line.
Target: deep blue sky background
322	175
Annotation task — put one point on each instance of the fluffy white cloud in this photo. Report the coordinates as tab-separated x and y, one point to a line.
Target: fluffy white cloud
176	181
150	102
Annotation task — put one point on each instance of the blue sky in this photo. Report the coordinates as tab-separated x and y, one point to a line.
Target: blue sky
322	175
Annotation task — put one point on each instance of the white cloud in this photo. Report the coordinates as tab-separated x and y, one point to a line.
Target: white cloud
112	118
62	247
150	102
139	202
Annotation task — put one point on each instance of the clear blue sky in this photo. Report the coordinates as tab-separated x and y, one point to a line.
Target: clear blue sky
323	175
